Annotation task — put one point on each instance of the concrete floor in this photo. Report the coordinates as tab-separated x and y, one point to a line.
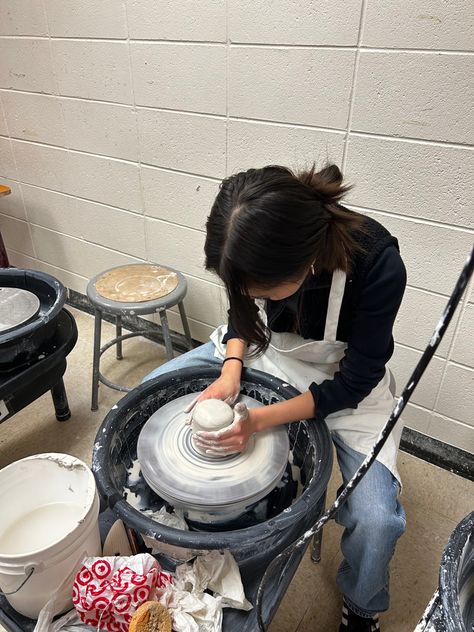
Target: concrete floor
435	500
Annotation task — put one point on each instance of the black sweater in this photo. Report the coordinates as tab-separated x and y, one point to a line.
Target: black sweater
372	296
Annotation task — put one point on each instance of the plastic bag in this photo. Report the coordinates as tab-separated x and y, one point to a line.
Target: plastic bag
108	590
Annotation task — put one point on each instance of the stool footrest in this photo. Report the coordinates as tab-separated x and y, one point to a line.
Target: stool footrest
111	343
114	341
117	387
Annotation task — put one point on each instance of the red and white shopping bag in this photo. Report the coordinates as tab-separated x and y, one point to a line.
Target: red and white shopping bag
108	590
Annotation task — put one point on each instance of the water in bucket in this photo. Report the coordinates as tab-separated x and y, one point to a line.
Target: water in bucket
40	528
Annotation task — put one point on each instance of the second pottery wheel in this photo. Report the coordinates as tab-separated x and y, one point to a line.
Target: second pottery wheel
17	306
222	487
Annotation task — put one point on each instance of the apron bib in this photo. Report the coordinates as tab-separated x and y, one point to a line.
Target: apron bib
300	362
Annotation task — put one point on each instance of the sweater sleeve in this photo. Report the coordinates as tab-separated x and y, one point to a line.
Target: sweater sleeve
231	333
370	344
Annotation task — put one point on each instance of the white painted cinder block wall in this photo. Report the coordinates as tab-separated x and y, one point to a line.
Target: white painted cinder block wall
119	119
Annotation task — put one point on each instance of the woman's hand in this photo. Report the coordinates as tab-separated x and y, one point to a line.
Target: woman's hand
226	388
234	438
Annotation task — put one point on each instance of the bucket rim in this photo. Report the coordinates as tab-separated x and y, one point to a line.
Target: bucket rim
317	431
69	461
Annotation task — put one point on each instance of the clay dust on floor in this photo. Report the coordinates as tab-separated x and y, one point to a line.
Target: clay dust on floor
435	500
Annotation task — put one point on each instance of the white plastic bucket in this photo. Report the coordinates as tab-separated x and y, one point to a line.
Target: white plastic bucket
48	523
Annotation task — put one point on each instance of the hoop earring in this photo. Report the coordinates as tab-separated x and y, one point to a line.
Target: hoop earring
312	269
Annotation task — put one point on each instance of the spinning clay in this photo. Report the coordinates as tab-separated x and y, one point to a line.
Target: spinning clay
211	415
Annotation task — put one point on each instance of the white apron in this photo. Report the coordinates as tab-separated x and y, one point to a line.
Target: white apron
301	362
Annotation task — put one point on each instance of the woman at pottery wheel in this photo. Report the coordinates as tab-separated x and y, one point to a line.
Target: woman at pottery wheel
314	289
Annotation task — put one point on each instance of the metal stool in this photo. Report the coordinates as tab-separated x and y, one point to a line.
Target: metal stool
132	290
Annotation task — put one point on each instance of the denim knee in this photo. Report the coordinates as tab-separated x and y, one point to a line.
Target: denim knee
375	510
198	357
381	524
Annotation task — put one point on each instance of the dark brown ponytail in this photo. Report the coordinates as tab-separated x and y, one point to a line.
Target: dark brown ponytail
340	243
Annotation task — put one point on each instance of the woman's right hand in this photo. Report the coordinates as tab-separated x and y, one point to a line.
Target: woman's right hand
226	388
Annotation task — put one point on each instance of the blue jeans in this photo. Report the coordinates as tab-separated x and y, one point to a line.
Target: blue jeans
372	516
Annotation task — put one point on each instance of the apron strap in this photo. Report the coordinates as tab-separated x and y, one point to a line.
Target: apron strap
336	295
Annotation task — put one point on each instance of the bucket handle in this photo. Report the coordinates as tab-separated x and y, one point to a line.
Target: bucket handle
29	570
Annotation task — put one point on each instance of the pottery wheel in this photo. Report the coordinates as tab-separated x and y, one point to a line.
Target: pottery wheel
17	307
137	283
178	473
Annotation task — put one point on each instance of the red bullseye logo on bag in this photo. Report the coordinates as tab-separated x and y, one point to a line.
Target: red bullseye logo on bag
107	591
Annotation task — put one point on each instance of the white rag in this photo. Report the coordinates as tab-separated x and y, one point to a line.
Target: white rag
174	519
194	610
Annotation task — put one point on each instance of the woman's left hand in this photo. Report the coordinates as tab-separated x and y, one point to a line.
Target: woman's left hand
234	438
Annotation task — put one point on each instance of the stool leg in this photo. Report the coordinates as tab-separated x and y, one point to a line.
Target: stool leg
96	360
118	328
166	334
317	544
184	320
60	402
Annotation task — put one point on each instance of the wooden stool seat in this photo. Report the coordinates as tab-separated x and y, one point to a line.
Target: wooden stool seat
137	283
